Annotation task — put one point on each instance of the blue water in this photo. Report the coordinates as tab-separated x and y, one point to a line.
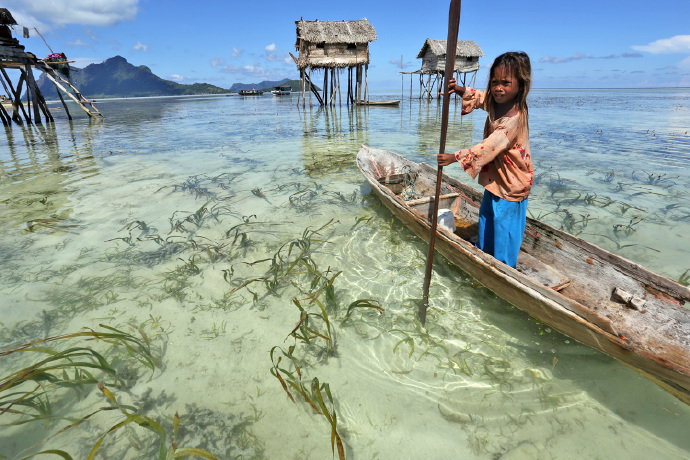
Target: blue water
207	223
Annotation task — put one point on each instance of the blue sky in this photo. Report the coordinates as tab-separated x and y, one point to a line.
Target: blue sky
602	44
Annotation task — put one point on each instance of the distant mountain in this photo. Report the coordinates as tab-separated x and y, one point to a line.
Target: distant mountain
118	78
264	85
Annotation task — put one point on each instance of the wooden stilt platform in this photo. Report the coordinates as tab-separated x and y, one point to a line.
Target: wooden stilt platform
13	57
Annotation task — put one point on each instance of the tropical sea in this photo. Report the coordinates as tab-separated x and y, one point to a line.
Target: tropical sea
238	288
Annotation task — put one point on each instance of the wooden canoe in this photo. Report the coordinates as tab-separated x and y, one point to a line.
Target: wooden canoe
585	292
384	103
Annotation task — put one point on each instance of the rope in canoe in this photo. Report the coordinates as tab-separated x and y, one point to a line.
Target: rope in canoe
409	184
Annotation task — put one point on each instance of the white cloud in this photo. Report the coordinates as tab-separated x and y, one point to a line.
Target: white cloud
684	64
271	54
140	47
77	42
216	61
82	62
236	52
27	20
676	44
35	13
177	78
557	60
580	56
248	70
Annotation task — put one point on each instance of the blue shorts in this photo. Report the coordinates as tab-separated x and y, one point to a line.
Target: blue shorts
501	227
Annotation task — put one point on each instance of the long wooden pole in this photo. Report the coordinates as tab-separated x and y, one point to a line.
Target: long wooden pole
453	26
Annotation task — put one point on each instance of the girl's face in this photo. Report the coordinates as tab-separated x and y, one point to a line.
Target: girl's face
504	85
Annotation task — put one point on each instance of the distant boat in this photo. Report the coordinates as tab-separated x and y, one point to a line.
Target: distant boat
250	92
389	103
282	90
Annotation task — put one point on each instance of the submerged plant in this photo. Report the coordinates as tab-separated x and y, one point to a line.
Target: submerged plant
685	278
131	416
312	394
29	394
627	229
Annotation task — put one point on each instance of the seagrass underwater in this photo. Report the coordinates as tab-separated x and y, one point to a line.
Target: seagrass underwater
240	292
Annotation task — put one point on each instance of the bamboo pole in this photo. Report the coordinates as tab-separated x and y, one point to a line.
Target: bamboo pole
10	92
44	40
4	116
42	104
366	82
332	100
22	79
18	102
304	86
402	80
64	104
453	26
31	86
310	87
334	86
50	77
349	85
331	88
358	86
340	100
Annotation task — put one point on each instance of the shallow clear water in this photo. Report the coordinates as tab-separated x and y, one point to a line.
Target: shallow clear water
207	223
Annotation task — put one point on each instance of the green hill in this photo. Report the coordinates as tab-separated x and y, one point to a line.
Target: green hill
118	78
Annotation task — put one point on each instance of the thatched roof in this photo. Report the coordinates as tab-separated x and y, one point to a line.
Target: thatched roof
335	31
465	48
6	18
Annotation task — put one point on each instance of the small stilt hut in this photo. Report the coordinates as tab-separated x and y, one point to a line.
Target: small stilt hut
333	46
13	56
433	56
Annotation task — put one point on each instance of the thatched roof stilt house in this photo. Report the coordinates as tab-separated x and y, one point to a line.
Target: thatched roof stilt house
433	56
332	46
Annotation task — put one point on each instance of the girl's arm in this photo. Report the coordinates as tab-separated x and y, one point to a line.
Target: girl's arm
444	159
454	88
475	158
471	98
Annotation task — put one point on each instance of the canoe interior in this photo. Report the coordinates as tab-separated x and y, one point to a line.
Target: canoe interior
582	290
466	214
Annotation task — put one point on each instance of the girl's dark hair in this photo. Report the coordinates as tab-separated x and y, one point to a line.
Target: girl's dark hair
517	63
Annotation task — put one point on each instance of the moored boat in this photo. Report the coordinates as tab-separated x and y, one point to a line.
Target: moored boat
392	103
285	90
585	292
250	92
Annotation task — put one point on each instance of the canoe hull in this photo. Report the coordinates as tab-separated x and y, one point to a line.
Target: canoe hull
589	317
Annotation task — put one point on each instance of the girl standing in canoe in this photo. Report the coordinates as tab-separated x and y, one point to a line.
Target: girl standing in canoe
502	160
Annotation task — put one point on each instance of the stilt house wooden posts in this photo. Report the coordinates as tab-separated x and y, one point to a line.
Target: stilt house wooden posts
332	46
13	56
433	56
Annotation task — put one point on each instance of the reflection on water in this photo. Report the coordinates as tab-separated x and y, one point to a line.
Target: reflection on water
237	236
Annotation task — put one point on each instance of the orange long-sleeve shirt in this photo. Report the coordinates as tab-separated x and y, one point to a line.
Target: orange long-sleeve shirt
502	160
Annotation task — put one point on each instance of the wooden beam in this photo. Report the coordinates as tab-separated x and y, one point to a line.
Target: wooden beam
31	87
70	95
64	104
10	92
18	102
